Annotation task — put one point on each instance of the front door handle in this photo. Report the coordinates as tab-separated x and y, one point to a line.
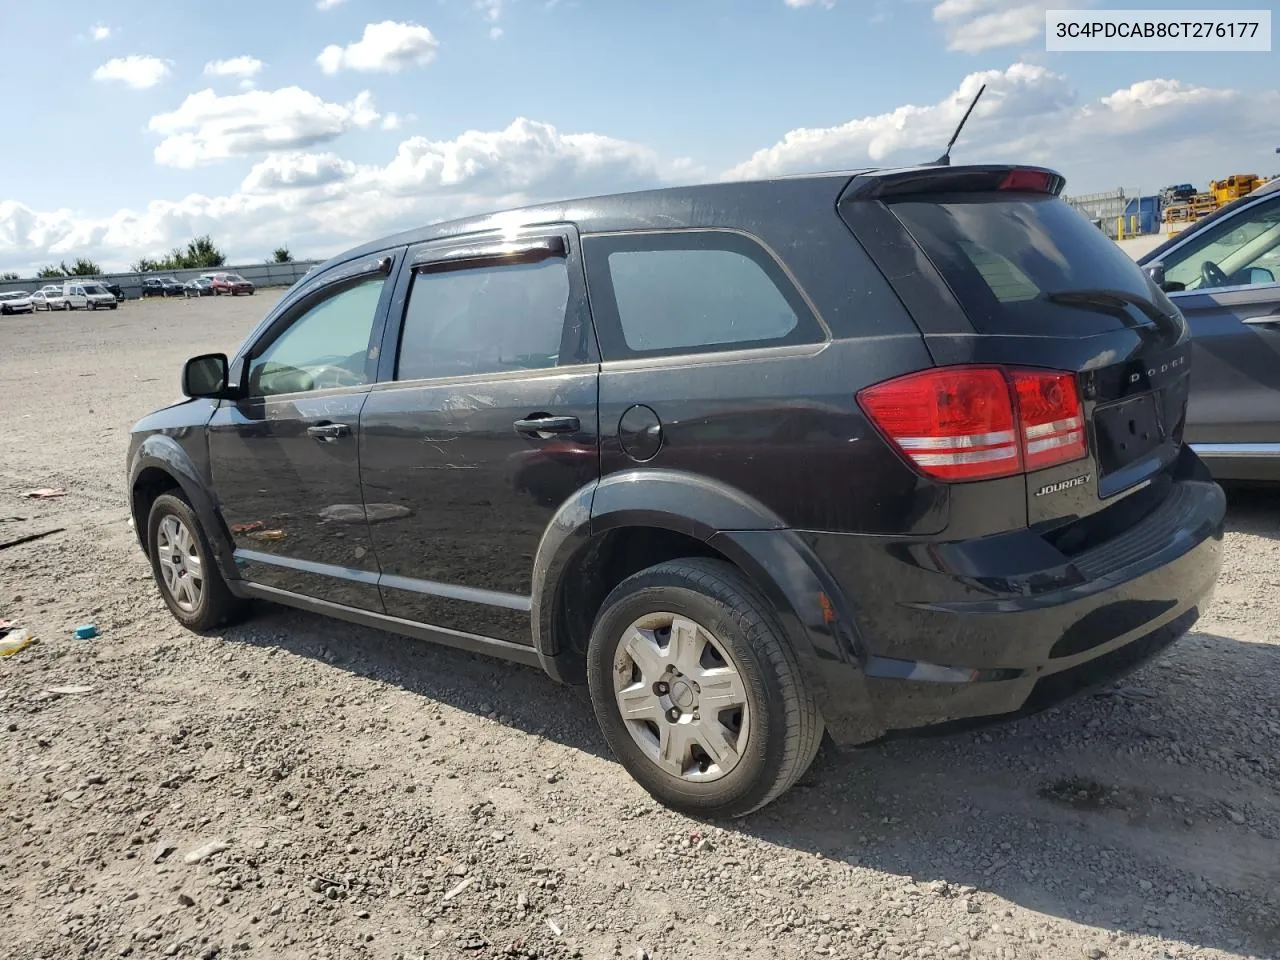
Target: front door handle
1258	321
328	432
547	424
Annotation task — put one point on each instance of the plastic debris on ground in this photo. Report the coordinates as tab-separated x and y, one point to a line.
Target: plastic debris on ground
45	493
16	640
70	691
86	631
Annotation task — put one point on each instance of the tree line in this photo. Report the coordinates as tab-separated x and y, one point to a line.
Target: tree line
200	253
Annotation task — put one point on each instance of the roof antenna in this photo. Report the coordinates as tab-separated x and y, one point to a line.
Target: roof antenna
945	159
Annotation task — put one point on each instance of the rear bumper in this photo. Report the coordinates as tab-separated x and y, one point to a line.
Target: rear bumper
943	643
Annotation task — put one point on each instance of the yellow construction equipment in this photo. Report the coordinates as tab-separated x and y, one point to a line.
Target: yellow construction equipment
1182	207
1234	187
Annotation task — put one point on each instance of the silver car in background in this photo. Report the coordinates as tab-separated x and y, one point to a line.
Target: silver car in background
1223	273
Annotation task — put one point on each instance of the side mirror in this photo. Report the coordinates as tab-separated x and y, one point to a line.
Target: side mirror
1260	275
206	376
1155	270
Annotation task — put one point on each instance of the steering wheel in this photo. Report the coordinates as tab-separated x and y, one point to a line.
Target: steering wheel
331	375
1211	274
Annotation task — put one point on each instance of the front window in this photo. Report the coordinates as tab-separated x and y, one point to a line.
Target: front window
327	346
95	288
1243	250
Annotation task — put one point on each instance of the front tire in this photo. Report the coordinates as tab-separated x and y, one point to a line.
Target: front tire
719	720
184	568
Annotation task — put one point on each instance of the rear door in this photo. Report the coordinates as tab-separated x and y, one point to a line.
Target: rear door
486	423
1041	288
1232	301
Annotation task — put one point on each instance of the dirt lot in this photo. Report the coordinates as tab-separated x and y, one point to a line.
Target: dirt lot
379	797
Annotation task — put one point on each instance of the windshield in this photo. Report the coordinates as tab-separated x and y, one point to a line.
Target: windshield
1006	256
94	288
235	278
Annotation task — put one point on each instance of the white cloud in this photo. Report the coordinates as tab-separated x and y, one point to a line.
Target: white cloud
207	127
391	121
326	203
976	25
1031	114
99	31
328	4
796	4
386	47
138	72
910	132
491	9
243	66
495	33
518	161
281	170
1146	134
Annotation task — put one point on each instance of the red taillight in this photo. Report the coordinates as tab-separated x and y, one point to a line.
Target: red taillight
1050	417
1035	181
978	423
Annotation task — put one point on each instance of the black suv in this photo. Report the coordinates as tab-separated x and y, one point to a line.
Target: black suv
162	287
867	452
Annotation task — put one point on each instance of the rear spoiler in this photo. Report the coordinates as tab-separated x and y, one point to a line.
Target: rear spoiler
917	181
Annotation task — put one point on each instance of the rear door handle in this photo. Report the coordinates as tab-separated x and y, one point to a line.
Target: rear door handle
328	432
540	424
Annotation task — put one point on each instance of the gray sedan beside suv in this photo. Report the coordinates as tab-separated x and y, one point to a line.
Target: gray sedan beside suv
1223	273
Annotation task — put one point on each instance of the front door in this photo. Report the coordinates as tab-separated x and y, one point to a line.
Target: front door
285	459
1232	301
487	426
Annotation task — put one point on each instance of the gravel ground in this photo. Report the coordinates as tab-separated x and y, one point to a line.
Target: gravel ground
296	787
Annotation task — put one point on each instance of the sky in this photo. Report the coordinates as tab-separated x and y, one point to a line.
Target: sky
130	127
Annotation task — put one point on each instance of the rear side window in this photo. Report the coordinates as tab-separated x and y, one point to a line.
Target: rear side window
1004	255
484	320
691	292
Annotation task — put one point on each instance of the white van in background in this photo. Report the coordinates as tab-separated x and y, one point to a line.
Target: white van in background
87	296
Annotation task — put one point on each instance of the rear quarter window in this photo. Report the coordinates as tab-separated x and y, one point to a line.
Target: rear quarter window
684	292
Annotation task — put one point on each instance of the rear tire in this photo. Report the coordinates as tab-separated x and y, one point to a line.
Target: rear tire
184	568
740	655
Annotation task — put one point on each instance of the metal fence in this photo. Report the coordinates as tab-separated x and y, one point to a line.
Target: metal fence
260	274
1120	213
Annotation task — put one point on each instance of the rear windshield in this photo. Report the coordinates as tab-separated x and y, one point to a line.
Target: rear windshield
1003	253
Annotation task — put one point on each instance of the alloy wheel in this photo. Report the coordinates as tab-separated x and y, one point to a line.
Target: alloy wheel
681	697
180	565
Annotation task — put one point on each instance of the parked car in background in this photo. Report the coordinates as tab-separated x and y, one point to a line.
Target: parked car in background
39	301
199	287
1223	273
231	283
866	452
88	296
114	288
16	301
162	287
52	297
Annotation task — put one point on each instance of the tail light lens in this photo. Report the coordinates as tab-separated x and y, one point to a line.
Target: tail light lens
1049	416
979	423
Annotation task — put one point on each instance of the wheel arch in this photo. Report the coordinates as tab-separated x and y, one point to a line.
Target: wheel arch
630	521
160	465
